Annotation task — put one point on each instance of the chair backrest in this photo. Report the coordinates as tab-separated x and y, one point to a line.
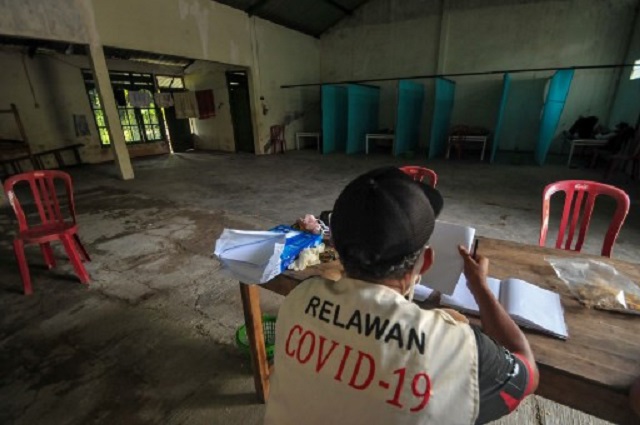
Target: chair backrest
43	190
277	132
575	191
419	173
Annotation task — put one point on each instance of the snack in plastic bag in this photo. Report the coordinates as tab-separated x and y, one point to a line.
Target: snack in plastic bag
597	284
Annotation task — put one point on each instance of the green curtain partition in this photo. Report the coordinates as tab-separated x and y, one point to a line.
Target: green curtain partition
408	116
334	118
362	116
506	85
445	91
553	106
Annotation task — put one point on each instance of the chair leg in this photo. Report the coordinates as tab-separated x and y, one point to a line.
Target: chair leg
83	251
47	253
18	249
74	257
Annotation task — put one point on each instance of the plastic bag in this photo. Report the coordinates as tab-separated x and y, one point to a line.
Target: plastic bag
259	256
597	284
295	243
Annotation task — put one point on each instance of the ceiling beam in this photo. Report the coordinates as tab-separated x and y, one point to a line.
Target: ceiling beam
337	5
255	6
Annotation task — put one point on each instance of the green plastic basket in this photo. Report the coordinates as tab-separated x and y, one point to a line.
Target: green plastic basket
269	329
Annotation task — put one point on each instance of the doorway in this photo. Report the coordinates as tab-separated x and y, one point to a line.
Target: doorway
239	104
179	129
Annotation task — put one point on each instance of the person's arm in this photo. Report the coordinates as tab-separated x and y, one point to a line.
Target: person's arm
496	323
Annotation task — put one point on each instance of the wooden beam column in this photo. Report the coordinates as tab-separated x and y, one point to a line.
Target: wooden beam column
105	92
443	43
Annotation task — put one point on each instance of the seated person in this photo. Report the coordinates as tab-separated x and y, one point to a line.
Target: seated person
358	351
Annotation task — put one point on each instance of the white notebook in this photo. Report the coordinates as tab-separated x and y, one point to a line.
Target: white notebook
529	305
447	262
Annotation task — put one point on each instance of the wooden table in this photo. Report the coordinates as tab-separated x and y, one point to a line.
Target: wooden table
594	143
591	371
459	140
301	135
373	136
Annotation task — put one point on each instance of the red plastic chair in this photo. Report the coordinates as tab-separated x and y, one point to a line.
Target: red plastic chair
277	138
419	173
575	191
53	226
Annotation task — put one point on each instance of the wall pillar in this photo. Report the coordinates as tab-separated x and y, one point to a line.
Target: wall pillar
444	38
107	100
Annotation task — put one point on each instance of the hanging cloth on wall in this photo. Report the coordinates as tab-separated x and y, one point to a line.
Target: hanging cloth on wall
206	104
163	100
140	99
81	125
186	104
120	96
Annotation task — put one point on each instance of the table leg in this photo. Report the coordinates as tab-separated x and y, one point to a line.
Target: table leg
366	145
76	153
484	146
318	143
570	154
297	142
448	149
59	159
253	321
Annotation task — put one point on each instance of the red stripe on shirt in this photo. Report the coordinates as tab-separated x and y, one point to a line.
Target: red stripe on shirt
529	389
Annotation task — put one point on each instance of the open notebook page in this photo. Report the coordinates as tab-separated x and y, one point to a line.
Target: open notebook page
463	300
534	307
447	262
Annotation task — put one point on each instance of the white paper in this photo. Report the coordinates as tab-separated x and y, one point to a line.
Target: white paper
534	307
463	300
447	262
251	256
421	293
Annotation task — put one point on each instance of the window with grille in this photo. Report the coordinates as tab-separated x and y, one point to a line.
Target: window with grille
170	82
140	125
635	73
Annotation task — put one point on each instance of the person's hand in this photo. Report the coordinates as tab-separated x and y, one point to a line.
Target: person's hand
475	270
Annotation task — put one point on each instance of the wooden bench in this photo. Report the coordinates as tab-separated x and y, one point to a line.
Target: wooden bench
57	154
14	164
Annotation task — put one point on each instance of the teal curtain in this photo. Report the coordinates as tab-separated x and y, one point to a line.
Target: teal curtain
408	116
445	92
497	132
334	118
552	111
362	116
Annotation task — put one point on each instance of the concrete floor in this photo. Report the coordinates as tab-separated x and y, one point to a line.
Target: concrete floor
151	339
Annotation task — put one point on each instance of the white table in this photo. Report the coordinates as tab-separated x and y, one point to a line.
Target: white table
595	143
300	135
468	139
374	136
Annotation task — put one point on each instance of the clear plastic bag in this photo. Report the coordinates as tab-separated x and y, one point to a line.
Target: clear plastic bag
597	284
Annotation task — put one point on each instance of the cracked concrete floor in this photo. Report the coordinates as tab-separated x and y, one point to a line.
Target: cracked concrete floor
150	340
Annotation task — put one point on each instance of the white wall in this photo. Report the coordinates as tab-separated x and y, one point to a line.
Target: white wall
627	103
285	57
398	38
58	93
207	30
215	133
195	29
52	20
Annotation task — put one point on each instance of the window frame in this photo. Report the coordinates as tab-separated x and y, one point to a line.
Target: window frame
635	71
136	123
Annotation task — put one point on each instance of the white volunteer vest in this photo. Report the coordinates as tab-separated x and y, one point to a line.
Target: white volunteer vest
354	352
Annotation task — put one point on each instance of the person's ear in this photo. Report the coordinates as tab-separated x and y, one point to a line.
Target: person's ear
427	260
